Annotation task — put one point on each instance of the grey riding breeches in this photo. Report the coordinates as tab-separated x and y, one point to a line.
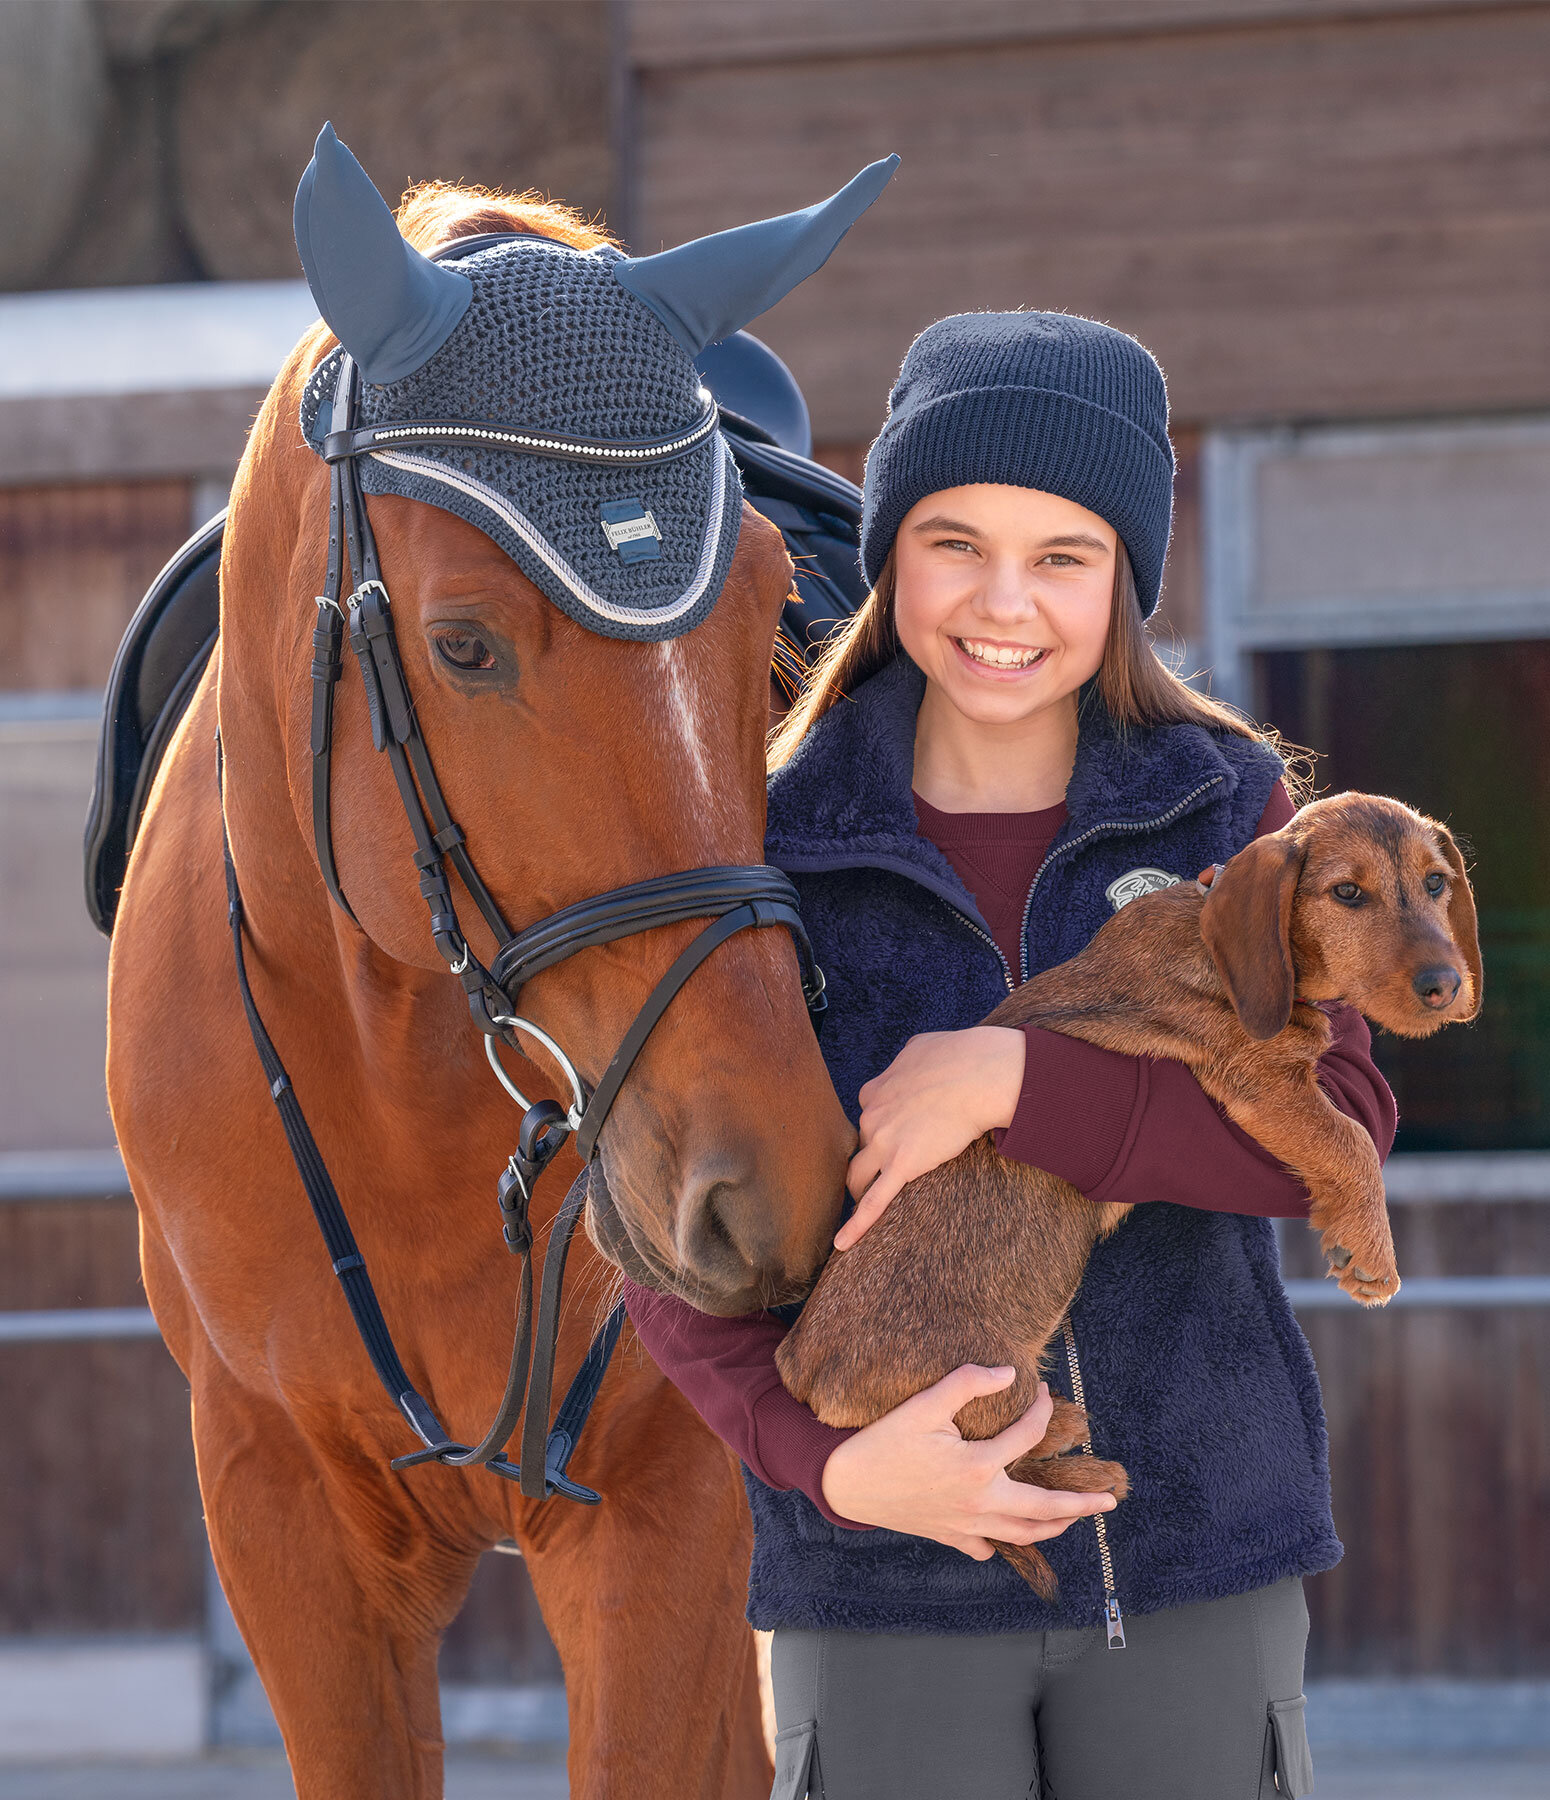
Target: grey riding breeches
1203	1703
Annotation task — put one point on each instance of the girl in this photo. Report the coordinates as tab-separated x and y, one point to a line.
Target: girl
988	761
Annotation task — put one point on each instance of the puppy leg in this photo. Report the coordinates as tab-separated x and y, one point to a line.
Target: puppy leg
1338	1164
1067	1431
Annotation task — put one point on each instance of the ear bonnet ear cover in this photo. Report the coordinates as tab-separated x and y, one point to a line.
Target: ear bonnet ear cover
533	336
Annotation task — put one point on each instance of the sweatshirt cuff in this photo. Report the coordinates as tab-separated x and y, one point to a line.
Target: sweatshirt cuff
1077	1109
793	1445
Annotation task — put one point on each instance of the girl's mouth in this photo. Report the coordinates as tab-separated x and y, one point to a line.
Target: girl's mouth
1002	659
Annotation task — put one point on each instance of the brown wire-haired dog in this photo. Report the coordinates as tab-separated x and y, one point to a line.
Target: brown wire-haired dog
1357	899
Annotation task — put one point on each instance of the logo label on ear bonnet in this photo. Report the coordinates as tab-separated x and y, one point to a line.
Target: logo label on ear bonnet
1136	882
631	531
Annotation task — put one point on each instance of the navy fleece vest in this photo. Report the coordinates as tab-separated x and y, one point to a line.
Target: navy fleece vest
1197	1377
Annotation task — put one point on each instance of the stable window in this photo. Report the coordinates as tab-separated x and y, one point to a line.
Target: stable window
1383	597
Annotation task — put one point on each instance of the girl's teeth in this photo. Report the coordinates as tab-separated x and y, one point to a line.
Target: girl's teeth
999	657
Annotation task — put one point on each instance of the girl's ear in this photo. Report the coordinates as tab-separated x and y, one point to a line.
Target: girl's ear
1246	923
1463	926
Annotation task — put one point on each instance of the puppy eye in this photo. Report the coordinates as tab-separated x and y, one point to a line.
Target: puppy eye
1435	883
464	650
1347	893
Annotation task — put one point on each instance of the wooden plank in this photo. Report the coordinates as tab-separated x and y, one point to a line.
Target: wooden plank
53	964
87	1254
199	433
74	563
1300	221
100	1526
1440	1457
684	33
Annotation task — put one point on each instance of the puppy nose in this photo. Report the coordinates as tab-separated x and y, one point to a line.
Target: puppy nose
1437	986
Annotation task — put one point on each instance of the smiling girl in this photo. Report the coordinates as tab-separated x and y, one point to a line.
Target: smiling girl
989	760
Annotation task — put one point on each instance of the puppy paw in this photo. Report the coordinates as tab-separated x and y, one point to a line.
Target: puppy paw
1372	1286
1067	1430
1071	1474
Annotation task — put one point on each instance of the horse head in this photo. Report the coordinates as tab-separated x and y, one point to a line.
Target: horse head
585	635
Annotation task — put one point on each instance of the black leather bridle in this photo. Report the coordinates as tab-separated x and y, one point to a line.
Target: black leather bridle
733	898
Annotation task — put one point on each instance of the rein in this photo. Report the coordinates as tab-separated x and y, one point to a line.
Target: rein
733	898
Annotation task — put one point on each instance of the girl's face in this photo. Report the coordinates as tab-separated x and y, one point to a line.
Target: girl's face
1002	597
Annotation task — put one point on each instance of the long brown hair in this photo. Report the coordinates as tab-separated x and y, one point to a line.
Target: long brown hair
1134	683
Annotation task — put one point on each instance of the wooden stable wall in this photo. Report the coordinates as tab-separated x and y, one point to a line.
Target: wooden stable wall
1439	1447
1315	208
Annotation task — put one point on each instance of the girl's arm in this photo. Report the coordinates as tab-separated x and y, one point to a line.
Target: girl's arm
725	1369
1137	1128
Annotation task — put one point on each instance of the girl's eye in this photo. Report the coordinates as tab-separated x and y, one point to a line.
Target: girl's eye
1060	559
954	544
1435	883
463	650
1347	893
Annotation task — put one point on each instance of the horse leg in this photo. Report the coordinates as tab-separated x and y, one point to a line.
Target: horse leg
644	1597
341	1592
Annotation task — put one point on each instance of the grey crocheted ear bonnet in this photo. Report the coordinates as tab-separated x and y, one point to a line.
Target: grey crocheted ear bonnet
592	454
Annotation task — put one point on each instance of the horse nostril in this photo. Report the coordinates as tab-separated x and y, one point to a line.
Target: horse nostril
1437	986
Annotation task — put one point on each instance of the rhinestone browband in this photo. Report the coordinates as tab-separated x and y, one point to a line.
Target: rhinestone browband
340	445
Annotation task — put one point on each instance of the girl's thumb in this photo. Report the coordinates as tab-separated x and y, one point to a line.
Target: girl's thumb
968	1383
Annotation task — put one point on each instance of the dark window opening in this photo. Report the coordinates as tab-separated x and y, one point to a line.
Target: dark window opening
1460	731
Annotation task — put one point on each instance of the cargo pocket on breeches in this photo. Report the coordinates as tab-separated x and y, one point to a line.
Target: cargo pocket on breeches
796	1763
1289	1761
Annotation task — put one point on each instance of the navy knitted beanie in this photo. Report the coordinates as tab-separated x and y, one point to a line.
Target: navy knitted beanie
1028	399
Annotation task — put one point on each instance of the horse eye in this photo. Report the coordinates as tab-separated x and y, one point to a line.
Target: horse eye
1347	893
464	651
1435	883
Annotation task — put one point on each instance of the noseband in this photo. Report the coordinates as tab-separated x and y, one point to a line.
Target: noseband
734	899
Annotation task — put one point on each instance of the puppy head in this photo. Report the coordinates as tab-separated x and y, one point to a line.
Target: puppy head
1359	899
1385	918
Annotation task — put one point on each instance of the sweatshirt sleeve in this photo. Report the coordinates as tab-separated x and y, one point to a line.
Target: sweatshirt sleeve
725	1369
1136	1128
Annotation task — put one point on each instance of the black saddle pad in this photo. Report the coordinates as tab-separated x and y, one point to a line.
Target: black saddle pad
157	668
173	632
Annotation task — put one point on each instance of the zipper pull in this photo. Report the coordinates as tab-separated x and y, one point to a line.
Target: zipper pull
1114	1622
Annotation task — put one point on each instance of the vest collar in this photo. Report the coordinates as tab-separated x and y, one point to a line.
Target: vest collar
846	798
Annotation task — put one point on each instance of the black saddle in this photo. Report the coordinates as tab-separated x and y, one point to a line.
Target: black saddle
175	627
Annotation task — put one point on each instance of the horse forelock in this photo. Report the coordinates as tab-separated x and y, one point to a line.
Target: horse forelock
436	212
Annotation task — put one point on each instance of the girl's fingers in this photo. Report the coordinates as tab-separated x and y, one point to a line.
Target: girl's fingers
1021	1500
1022	1434
862	1171
1026	1531
981	1549
877	1196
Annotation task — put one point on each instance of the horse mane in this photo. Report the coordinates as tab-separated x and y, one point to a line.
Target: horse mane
435	212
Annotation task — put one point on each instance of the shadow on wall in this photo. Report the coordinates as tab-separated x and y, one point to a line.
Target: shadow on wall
161	140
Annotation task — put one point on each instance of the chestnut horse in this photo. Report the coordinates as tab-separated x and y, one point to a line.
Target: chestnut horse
607	763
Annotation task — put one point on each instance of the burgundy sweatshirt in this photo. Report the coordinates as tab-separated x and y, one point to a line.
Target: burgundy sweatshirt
1131	1129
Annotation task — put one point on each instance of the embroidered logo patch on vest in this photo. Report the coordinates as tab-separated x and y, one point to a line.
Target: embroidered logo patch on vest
631	531
1136	882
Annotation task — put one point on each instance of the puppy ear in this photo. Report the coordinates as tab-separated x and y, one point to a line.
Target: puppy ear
1463	926
1247	923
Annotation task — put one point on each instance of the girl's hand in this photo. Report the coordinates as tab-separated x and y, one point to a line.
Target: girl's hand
942	1091
912	1471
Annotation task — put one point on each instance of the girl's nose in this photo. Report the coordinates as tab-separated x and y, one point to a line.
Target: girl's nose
1005	596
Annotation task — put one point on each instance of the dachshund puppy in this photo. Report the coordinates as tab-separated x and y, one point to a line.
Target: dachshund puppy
1358	899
